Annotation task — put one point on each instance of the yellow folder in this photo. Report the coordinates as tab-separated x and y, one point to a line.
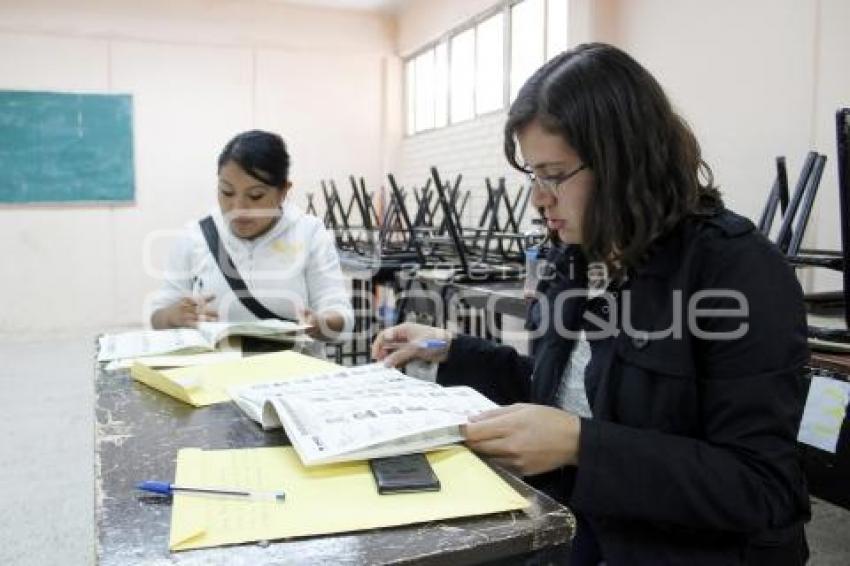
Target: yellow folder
205	385
320	500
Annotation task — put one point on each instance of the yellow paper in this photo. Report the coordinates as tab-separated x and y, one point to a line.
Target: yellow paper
321	500
205	385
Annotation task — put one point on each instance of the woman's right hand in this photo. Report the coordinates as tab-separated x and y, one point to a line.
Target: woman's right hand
187	312
398	345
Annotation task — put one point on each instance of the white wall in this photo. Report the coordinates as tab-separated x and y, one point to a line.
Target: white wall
754	79
199	72
740	73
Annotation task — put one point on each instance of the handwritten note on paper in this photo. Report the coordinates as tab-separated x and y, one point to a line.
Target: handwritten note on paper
826	407
320	500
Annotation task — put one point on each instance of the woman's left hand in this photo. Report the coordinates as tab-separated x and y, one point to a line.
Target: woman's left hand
528	439
313	322
324	326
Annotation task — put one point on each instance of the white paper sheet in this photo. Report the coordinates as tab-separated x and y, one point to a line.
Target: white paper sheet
825	410
143	343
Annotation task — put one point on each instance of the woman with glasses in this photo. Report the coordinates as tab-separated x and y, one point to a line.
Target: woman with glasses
663	398
286	265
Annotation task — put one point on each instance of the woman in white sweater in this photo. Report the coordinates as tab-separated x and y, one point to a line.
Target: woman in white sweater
287	261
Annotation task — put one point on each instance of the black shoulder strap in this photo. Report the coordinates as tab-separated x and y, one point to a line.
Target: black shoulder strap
231	274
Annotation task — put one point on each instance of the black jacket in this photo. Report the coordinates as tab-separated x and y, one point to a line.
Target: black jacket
690	455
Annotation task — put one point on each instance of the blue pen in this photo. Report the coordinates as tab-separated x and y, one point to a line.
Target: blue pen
165	488
430	344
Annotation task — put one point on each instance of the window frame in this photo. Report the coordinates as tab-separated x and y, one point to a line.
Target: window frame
504	8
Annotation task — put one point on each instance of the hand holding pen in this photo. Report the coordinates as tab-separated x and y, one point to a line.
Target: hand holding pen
201	300
398	345
192	309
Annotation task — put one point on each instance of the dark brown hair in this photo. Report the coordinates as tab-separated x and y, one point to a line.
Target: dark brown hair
262	155
647	162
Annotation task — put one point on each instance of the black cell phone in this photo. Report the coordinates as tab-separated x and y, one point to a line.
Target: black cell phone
404	474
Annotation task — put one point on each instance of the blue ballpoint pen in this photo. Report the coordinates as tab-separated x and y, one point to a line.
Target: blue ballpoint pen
165	488
430	344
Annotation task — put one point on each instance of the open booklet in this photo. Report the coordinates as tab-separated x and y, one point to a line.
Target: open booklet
359	413
204	338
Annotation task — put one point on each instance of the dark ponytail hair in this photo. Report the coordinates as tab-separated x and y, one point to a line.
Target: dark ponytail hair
260	154
647	162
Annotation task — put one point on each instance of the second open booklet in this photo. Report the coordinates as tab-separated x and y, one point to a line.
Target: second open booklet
203	338
359	413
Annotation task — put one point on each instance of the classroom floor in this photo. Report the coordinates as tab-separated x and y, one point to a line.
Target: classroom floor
46	459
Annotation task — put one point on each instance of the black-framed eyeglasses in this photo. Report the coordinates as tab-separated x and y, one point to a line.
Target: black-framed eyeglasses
551	184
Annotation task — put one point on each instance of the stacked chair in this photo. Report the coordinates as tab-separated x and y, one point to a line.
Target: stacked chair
794	215
384	244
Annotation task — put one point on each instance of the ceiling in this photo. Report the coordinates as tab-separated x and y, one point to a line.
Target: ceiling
385	6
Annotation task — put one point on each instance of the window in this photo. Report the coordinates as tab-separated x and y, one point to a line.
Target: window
556	27
410	89
441	85
464	75
527	20
425	91
489	65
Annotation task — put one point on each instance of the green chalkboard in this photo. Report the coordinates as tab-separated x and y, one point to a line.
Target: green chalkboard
64	147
